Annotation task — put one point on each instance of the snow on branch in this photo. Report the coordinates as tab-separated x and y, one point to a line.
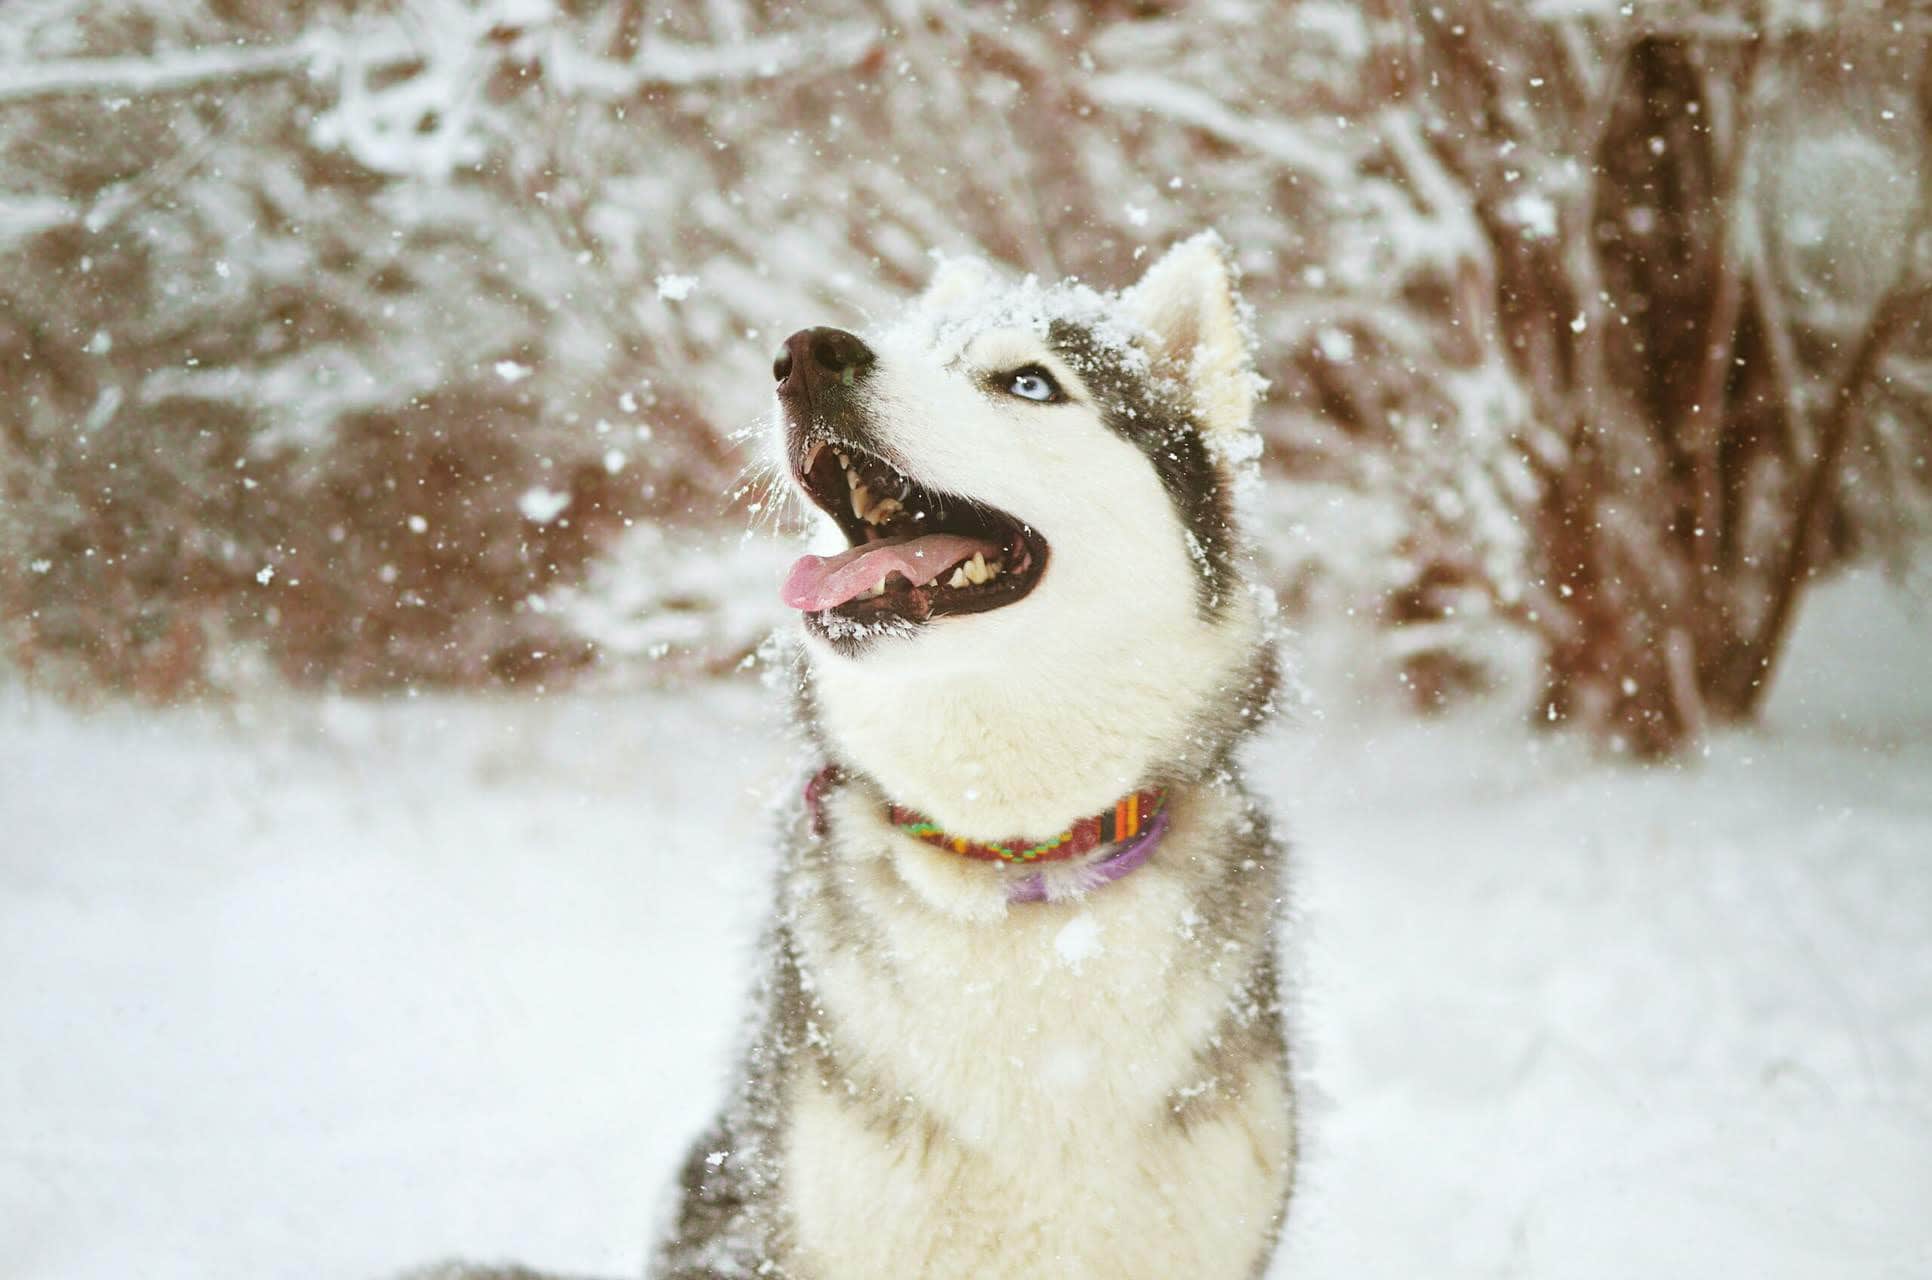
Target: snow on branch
1184	104
671	64
1735	20
172	71
22	216
661	64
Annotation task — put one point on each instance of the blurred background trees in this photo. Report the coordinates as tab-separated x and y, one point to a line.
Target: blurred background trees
368	345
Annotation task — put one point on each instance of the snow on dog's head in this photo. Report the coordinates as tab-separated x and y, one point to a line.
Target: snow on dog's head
1039	602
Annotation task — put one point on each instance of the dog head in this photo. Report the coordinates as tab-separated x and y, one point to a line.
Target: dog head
1034	486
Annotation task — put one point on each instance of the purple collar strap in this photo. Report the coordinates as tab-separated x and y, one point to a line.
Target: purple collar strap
1080	880
1070	880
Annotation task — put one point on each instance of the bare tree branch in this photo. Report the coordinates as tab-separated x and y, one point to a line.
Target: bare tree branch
1904	307
1726	101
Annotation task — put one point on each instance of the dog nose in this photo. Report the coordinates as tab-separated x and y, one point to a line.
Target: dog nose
812	355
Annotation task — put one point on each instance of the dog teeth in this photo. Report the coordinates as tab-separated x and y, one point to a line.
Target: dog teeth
976	571
874	512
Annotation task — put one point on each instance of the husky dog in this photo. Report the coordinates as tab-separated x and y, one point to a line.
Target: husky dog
1022	1017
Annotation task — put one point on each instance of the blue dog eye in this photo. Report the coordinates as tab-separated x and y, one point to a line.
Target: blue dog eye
1034	383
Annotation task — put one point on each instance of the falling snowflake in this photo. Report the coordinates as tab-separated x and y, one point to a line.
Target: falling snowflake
1533	214
512	372
675	288
267	574
542	505
1336	345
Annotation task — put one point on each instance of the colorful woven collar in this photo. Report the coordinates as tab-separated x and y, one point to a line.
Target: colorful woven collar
1136	823
1127	819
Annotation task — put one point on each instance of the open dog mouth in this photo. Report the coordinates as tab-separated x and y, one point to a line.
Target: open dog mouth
915	554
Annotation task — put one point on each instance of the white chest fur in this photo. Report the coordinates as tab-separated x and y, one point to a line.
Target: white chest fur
1007	1107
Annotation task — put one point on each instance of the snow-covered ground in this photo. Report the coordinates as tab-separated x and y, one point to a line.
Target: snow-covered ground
327	989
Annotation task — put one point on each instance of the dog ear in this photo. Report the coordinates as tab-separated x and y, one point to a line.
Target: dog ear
1197	330
956	280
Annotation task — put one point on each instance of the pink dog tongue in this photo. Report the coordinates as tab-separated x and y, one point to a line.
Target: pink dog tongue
825	582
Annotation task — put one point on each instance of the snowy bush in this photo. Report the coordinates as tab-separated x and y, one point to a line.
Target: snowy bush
264	392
